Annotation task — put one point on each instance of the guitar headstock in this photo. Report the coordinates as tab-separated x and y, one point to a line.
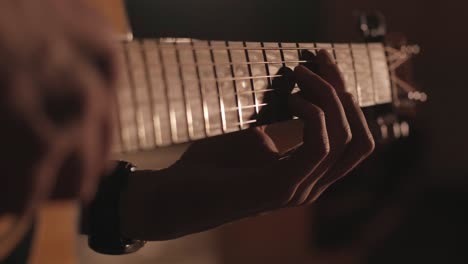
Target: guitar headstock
399	55
393	122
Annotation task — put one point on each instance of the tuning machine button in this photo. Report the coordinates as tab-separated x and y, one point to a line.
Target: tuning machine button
391	128
372	25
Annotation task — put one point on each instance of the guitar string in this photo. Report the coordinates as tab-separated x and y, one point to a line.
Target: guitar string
241	63
229	124
264	48
228	79
234	94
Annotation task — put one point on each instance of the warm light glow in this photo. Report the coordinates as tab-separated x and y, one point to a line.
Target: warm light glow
405	129
396	130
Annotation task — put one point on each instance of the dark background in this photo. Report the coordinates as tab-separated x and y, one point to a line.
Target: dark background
419	192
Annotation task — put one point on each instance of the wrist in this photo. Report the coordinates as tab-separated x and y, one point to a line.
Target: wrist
104	223
136	208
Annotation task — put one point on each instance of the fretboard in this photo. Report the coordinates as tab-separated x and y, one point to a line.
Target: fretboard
175	91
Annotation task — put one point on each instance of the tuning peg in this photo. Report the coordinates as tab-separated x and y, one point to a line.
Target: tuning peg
372	26
391	128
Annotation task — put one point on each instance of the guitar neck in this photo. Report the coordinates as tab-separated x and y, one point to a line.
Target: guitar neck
175	91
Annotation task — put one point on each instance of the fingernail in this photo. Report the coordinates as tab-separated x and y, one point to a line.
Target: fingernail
308	55
324	56
286	82
300	70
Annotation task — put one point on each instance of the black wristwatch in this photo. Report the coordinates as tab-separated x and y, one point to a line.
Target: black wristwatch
104	235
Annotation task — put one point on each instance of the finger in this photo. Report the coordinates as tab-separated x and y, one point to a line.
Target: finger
360	147
318	91
329	71
362	143
310	59
315	148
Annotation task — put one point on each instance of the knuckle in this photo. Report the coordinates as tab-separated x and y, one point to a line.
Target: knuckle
314	114
347	96
315	111
366	145
342	138
369	145
324	148
346	136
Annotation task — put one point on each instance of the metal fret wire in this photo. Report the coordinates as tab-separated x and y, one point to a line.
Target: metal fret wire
131	82
267	70
282	54
206	120
221	102
188	109
354	70
252	84
156	120
228	79
238	102
371	66
258	48
170	112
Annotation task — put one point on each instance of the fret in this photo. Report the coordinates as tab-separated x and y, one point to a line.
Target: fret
192	91
281	53
226	88
126	106
244	88
161	122
265	59
310	47
228	64
206	119
264	48
187	104
174	93
307	46
150	123
371	70
131	77
382	86
249	68
234	82
212	111
273	55
362	67
141	96
326	46
291	56
117	143
256	55
344	60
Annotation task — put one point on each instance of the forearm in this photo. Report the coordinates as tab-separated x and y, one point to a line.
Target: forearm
161	205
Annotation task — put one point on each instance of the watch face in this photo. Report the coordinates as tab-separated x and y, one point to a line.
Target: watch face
114	246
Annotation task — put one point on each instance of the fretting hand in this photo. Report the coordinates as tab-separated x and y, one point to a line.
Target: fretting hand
239	175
